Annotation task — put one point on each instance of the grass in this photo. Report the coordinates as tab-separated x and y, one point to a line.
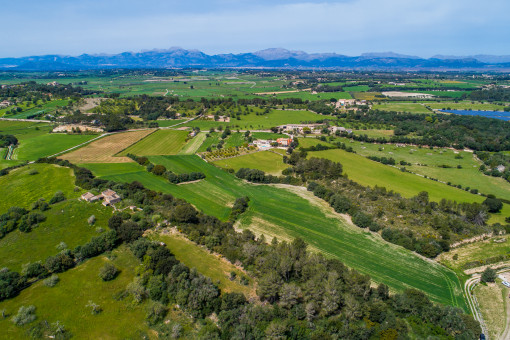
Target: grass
169	122
466	105
374	133
210	265
253	121
266	161
477	251
213	139
161	142
104	149
268	135
66	222
66	302
282	213
193	145
492	299
401	107
370	173
235	139
19	188
47	145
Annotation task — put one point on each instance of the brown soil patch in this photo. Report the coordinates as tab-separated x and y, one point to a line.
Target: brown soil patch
104	150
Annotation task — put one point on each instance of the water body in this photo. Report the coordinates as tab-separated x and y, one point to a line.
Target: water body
488	114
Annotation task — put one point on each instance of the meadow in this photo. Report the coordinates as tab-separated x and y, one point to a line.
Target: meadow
432	162
67	301
104	150
27	184
289	212
66	222
401	107
266	161
371	173
161	142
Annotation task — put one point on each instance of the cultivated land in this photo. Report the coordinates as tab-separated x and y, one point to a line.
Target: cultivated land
213	266
104	150
371	173
302	215
22	188
67	301
402	107
194	144
161	142
47	145
66	222
266	161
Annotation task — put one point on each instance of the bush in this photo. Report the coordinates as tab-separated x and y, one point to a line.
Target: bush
362	220
25	315
51	281
493	204
156	311
91	220
489	275
108	272
58	197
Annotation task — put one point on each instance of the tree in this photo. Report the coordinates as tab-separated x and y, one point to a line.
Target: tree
493	204
489	275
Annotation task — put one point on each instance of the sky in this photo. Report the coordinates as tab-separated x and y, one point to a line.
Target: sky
351	27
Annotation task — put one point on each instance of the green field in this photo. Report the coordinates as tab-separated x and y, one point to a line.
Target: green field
66	302
161	142
66	222
402	107
370	173
46	145
252	121
20	188
44	108
466	105
266	161
268	135
285	214
194	144
212	266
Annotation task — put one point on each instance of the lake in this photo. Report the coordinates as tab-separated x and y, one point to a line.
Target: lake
488	114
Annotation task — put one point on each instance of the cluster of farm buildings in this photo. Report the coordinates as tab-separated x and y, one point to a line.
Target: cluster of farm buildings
108	196
5	103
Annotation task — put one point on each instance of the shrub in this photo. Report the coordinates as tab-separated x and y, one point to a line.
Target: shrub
156	311
493	204
25	315
91	220
362	220
108	272
58	197
94	307
51	281
489	275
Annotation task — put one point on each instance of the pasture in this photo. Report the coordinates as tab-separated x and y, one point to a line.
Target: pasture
266	161
301	215
104	149
21	188
161	142
402	107
66	222
67	301
492	299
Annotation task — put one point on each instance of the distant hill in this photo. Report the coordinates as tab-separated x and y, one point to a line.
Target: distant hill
269	58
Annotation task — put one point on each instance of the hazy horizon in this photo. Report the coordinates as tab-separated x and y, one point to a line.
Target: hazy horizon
349	27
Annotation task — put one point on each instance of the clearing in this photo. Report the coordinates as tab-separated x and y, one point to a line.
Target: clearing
161	142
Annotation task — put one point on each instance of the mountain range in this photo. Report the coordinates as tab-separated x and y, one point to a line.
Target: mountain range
269	58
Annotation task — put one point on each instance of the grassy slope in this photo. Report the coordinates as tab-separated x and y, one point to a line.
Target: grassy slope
193	145
370	173
19	188
468	176
67	300
207	264
491	299
265	160
66	222
161	142
279	212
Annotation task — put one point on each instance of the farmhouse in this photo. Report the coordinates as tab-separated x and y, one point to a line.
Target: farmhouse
300	128
108	196
5	103
340	129
284	141
89	197
224	119
262	144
